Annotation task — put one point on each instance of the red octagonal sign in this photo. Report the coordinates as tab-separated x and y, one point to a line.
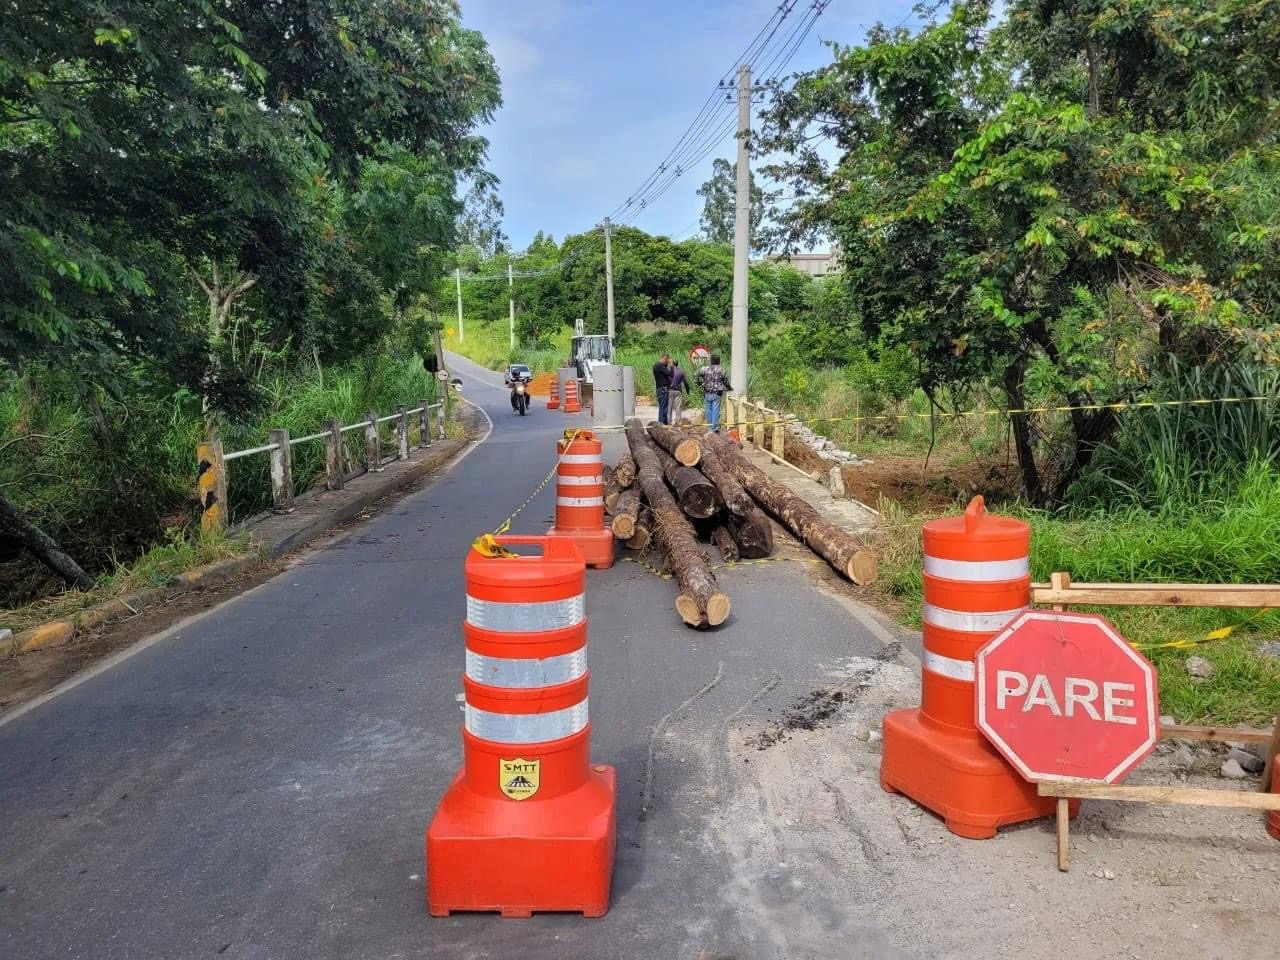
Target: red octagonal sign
1064	697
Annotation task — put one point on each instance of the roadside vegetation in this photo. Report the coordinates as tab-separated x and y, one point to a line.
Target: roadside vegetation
206	230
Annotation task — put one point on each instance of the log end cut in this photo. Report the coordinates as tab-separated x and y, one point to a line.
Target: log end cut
863	568
688	452
624	526
718	608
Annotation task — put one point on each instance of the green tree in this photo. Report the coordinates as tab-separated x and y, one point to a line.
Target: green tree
719	204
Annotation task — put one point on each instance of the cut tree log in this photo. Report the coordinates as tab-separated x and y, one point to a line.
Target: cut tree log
754	535
699	600
625	471
611	488
624	514
734	495
838	547
679	444
696	494
643	535
723	539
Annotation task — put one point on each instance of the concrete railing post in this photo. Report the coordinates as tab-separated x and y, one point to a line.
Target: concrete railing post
372	445
759	424
779	435
281	470
424	423
211	486
334	475
402	432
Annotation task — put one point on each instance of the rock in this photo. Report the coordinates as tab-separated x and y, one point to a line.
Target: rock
1270	649
837	483
1108	875
1166	720
1182	758
1200	669
1247	759
1231	770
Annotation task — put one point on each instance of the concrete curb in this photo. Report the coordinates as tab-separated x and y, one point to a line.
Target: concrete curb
263	548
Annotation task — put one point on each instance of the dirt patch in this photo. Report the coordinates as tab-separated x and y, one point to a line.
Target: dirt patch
809	712
934	485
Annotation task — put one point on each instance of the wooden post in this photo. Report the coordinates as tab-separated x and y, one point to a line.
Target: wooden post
1269	758
402	432
442	414
857	416
1064	834
424	423
760	418
334	475
779	436
372	445
281	470
211	486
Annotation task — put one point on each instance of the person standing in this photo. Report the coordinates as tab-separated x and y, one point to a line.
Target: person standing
662	385
715	384
675	394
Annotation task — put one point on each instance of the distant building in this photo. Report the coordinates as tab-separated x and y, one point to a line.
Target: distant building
817	264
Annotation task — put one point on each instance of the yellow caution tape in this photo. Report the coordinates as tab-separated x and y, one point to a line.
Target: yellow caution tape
487	543
1187	643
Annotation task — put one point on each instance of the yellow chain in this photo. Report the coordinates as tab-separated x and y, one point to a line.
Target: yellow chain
487	543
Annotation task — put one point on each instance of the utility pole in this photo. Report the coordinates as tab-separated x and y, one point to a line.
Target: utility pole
457	278
608	274
741	238
511	307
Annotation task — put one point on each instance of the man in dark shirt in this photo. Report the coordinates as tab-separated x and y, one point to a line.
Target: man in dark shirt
662	384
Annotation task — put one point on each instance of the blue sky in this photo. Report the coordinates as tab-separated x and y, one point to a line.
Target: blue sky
596	93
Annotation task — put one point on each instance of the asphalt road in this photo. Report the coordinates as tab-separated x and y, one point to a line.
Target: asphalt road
255	784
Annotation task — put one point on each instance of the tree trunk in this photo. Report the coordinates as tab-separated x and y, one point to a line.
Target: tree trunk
624	514
625	472
18	528
754	534
735	497
643	535
1021	425
699	601
696	494
838	547
723	539
611	488
680	445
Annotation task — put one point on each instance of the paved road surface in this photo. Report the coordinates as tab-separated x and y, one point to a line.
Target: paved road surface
256	784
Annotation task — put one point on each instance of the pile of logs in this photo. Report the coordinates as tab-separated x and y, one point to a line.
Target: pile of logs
675	489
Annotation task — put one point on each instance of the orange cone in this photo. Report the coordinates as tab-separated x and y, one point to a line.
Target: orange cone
571	404
580	498
553	401
529	824
977	577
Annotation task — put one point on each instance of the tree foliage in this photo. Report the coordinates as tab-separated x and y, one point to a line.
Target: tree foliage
719	203
1058	204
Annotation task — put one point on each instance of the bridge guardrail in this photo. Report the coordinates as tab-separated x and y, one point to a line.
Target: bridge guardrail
212	460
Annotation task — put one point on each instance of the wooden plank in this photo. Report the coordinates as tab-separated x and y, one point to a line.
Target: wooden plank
1159	594
1273	751
1218	734
1064	834
1188	796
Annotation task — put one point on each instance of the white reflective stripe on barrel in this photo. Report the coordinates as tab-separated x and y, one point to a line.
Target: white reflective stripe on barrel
571	481
579	501
948	666
968	622
580	458
977	571
523	673
525	727
526	617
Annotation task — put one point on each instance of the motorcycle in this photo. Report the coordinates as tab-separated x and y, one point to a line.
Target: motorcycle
520	396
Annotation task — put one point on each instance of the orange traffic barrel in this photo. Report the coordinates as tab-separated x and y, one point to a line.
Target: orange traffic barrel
1273	816
580	497
977	578
553	400
571	404
529	824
